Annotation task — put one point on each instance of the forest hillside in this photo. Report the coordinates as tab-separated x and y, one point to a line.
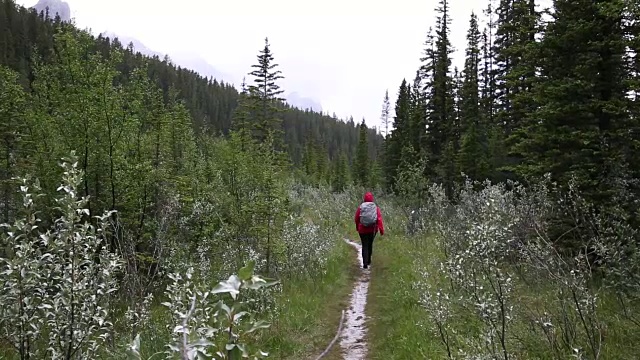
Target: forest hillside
210	102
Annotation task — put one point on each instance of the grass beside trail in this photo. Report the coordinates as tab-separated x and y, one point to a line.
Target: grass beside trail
395	326
308	320
398	327
311	311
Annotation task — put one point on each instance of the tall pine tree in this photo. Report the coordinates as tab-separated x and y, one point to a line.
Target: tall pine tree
441	107
241	120
426	75
472	157
265	100
362	166
516	54
394	143
581	121
417	131
515	45
384	116
341	174
488	82
470	92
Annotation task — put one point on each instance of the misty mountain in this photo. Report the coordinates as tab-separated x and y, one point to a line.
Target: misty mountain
137	45
202	67
303	103
189	61
55	7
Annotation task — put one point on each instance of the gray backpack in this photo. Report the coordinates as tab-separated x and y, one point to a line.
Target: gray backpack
368	214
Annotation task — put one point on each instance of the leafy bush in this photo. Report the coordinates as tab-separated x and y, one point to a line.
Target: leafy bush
207	327
57	285
497	249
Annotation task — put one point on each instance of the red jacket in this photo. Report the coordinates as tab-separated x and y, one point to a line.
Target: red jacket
368	197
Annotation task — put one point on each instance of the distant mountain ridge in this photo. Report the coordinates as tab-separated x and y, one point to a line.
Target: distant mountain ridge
189	61
137	45
55	7
202	67
303	103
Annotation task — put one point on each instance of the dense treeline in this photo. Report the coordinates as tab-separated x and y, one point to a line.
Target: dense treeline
538	94
210	103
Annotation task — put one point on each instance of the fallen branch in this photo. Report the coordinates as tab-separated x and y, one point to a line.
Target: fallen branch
326	351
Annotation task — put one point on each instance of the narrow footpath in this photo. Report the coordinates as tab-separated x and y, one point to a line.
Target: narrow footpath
353	337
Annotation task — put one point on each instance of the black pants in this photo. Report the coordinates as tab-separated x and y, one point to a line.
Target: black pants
367	248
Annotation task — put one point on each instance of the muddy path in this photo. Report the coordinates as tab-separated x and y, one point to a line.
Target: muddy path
353	337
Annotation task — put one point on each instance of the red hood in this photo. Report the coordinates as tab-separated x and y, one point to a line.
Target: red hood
368	197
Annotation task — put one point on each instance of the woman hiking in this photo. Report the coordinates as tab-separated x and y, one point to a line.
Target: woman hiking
368	221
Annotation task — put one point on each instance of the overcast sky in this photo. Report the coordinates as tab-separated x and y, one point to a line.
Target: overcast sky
342	53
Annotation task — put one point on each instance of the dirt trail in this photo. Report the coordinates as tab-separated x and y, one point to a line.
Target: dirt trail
352	339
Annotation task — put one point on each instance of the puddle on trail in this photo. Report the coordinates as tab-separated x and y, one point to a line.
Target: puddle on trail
352	339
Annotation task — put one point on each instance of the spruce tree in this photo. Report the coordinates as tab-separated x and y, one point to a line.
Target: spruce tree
470	91
375	174
341	175
384	116
456	86
428	62
266	111
441	107
411	184
504	39
362	166
322	164
240	123
472	157
394	143
427	76
309	159
581	124
417	131
488	82
515	72
265	101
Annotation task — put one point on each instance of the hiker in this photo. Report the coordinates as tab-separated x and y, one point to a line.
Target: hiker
368	221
